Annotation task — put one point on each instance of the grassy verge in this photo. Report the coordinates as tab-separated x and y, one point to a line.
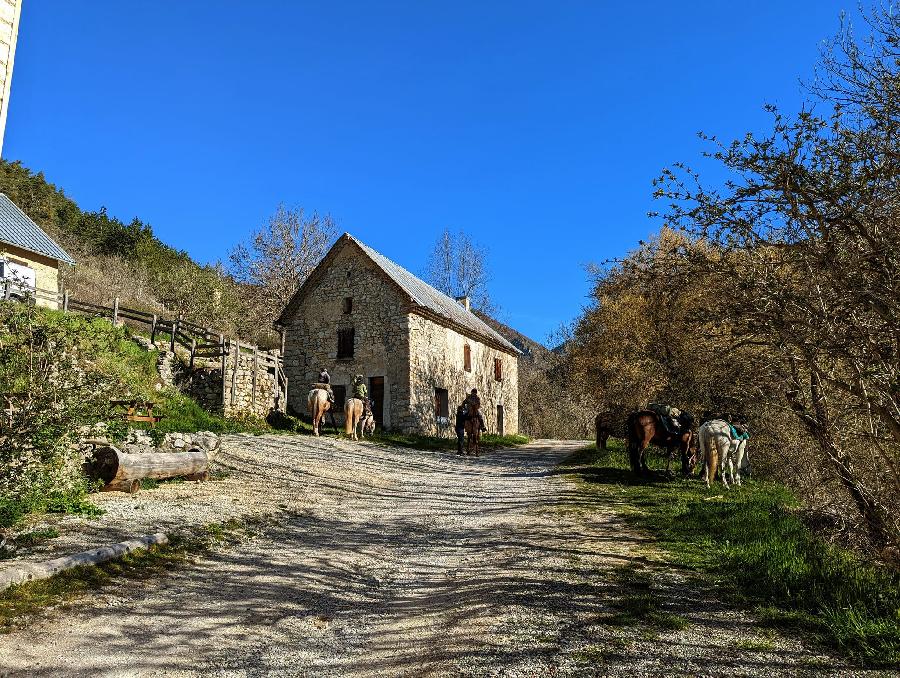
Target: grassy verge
18	603
182	414
489	441
751	540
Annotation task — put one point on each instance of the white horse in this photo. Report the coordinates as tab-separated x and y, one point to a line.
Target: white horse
722	452
368	424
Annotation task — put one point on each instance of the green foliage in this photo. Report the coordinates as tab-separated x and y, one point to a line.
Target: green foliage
285	422
59	373
753	540
182	414
35	537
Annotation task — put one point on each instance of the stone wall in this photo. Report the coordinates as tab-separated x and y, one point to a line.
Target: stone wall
437	361
379	321
251	387
241	395
204	383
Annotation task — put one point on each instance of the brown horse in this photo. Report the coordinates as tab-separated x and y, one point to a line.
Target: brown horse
643	429
604	426
317	402
473	424
473	435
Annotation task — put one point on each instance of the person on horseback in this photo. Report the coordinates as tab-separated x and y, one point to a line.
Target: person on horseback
360	391
473	403
325	380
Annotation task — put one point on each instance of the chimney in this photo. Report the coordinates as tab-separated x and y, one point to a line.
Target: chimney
464	301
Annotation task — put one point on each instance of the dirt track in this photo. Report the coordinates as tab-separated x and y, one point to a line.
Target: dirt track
399	562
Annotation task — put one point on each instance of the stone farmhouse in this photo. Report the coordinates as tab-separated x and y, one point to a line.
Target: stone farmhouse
29	258
419	350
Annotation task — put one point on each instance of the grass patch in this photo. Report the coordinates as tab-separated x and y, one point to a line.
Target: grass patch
751	540
489	441
36	537
639	605
754	645
22	601
182	414
13	509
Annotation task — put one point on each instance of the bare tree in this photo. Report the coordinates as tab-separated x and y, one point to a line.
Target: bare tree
279	257
458	267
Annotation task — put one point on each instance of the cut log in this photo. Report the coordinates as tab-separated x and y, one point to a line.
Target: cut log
112	465
129	486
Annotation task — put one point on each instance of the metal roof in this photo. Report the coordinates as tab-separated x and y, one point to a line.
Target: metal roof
17	228
434	300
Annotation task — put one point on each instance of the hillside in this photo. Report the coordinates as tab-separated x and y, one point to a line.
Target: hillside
548	406
125	260
532	351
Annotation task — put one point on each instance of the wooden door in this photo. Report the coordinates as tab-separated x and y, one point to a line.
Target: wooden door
376	393
500	420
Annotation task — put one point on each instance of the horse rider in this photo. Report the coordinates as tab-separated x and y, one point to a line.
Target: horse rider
325	379
473	402
462	413
360	391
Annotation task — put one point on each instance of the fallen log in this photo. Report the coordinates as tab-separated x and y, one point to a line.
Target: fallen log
116	468
48	568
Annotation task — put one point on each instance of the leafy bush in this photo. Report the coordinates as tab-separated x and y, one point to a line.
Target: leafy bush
58	374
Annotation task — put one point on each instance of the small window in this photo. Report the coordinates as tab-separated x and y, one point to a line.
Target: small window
340	396
498	369
345	343
348	305
467	358
441	403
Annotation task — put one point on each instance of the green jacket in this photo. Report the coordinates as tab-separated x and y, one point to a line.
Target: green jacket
360	391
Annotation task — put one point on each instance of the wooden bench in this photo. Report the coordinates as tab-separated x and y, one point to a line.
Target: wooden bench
138	410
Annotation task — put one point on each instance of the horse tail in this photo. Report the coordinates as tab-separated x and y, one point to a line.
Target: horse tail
349	424
704	445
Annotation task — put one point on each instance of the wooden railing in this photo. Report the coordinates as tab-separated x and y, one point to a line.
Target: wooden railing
203	343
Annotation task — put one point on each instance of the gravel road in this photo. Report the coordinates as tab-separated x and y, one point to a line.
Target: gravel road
394	562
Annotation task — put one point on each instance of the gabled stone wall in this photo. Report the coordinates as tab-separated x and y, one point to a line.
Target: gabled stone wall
380	348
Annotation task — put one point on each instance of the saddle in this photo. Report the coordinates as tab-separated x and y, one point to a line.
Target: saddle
673	420
319	384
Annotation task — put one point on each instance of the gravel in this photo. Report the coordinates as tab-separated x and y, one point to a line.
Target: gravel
395	562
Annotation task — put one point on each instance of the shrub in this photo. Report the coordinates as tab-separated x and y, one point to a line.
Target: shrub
58	373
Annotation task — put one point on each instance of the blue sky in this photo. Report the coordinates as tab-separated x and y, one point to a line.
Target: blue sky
537	127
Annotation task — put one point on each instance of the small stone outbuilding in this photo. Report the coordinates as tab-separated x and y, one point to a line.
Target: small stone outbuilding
29	258
420	351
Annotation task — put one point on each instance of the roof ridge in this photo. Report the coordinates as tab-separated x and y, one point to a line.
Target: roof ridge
20	230
450	309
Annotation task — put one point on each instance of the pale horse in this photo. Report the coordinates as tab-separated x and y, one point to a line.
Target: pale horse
354	419
318	405
722	452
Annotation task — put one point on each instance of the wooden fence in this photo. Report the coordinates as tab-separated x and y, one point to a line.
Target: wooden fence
202	343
